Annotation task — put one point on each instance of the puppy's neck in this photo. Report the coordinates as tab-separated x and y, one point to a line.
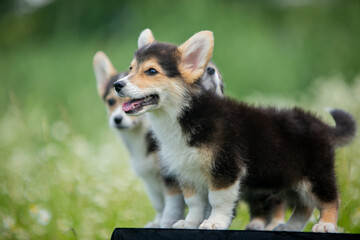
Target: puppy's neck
135	139
164	121
175	106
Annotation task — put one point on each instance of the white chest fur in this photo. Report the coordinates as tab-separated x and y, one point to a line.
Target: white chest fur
189	164
142	163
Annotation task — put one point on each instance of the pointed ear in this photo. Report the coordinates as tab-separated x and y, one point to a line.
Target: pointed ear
146	37
195	55
103	69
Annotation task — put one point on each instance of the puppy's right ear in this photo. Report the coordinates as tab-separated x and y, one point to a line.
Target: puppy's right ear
195	55
146	37
103	69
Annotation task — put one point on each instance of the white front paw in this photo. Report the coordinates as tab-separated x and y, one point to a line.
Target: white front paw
152	225
210	224
185	224
324	227
255	224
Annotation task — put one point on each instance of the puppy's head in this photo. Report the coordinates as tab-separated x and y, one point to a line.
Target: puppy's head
106	75
162	74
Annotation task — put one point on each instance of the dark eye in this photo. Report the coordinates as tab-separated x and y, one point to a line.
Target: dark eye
151	72
130	68
111	101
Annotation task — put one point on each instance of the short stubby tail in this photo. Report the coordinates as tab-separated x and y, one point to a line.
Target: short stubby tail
345	129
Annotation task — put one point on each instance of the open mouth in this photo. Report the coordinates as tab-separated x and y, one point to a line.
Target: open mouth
135	105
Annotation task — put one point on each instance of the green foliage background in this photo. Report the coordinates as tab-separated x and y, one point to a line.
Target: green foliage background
64	174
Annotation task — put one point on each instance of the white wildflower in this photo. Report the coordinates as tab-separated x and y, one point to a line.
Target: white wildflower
42	216
8	222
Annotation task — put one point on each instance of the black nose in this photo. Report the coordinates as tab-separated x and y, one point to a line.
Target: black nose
118	119
210	70
118	85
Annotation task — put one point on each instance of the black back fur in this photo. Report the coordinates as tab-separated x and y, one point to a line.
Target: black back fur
278	148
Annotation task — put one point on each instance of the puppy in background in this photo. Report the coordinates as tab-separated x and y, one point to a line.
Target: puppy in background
162	189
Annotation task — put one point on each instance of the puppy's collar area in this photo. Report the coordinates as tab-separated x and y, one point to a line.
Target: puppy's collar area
135	105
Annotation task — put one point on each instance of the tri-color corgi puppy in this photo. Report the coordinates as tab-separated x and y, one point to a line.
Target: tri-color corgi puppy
162	189
220	149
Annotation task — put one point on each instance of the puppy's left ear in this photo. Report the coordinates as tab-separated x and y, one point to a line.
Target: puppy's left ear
195	55
146	37
103	70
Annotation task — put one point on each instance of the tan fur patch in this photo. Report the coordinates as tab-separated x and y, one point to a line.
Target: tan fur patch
207	160
279	212
190	77
329	212
141	79
214	187
188	191
172	190
160	81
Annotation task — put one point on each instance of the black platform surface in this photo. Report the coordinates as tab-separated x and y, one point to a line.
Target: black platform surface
194	234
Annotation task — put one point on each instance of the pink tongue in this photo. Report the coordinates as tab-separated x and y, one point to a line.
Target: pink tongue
131	105
127	106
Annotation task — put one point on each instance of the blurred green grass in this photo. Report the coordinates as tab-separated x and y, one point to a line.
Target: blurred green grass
64	174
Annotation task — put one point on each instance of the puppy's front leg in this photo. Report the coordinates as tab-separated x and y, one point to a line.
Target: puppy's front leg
197	203
174	205
222	202
155	192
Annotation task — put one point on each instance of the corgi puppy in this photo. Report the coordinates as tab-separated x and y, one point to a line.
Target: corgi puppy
162	189
220	149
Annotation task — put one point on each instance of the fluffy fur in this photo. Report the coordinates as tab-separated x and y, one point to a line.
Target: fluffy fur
220	149
161	187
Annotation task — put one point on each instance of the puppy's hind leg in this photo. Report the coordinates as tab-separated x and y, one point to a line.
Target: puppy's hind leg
277	215
327	200
326	197
328	217
257	203
297	220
